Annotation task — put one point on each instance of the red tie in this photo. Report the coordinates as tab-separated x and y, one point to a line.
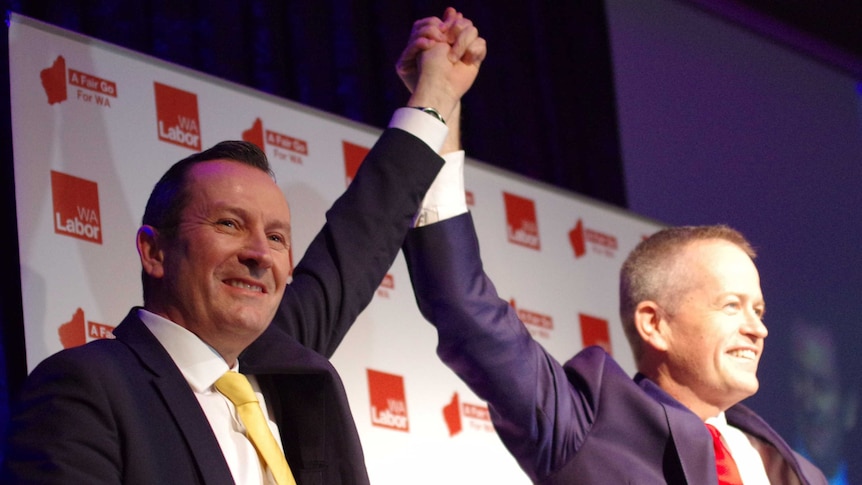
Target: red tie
728	474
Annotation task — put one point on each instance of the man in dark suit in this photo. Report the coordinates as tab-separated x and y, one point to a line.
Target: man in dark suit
214	251
691	307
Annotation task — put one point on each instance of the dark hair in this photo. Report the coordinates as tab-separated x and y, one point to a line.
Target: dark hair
169	197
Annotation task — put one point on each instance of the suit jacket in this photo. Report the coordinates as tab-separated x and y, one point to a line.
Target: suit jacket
120	411
582	422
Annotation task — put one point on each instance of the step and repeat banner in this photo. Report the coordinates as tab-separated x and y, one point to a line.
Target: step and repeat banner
95	126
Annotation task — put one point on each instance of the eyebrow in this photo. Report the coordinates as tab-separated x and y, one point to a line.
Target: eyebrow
270	225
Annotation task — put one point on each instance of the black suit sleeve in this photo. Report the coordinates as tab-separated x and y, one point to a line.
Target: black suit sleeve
345	263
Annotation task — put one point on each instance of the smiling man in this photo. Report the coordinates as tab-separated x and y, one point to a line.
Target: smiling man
166	401
220	270
692	309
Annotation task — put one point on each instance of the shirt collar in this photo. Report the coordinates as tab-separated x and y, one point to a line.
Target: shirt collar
720	421
199	363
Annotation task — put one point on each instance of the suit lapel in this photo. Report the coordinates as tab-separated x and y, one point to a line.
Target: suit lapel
691	438
286	369
178	398
781	465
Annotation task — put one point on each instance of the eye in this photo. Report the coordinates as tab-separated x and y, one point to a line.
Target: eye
732	306
279	239
227	223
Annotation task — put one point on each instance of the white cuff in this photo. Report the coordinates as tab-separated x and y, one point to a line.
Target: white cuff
421	125
446	197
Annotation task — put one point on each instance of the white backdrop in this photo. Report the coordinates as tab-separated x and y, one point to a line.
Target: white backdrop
94	126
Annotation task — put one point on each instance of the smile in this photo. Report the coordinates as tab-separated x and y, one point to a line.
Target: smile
245	286
747	354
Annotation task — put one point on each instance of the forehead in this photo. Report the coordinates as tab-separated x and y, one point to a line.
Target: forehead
721	262
228	182
212	171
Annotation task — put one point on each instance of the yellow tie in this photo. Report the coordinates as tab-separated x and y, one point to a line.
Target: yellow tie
237	388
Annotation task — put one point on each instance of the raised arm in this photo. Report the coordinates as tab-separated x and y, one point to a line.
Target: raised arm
340	271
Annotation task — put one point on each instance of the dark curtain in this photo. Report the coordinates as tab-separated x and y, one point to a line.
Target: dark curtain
543	105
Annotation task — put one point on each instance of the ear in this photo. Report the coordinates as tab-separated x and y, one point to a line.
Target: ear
650	323
150	251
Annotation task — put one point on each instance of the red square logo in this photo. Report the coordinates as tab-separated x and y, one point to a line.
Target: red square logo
177	116
388	405
522	227
76	207
594	331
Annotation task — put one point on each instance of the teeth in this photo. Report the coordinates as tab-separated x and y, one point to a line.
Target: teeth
744	354
246	286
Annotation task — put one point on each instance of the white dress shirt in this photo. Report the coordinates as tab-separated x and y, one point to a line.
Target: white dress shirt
201	365
747	459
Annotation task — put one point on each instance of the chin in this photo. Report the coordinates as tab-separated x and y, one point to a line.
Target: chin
748	389
742	386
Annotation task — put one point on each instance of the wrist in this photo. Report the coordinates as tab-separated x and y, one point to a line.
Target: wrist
432	95
430	111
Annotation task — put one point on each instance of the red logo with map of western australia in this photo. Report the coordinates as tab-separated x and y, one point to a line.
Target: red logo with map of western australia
581	237
283	147
76	207
88	88
521	225
388	404
79	331
456	413
54	81
177	116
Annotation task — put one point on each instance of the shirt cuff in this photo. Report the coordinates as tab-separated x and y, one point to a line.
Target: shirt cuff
446	197
421	125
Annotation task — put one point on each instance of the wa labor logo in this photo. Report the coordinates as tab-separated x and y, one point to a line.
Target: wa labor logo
76	207
177	116
522	228
388	405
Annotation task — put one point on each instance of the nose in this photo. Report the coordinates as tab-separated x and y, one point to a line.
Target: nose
256	251
754	326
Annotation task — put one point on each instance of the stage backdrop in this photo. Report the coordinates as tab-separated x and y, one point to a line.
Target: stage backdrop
94	127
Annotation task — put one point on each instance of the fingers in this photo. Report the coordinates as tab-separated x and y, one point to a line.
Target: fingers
442	57
424	35
464	38
408	56
454	29
475	52
467	40
431	28
450	16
